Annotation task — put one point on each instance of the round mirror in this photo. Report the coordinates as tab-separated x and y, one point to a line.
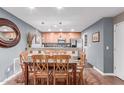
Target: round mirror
9	33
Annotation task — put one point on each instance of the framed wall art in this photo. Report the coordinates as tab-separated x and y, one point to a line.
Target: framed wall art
96	37
85	40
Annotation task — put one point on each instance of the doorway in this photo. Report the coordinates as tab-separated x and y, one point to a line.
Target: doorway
119	50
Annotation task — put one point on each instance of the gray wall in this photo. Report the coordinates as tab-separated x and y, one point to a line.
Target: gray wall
97	54
8	54
108	42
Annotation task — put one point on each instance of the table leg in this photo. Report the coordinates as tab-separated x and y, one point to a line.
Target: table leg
26	74
74	74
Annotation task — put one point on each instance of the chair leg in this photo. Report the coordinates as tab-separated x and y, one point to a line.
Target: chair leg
54	82
47	81
67	80
81	77
79	80
34	81
70	79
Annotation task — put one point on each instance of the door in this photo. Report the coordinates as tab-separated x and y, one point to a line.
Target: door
119	50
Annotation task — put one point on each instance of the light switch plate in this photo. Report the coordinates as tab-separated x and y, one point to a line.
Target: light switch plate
107	47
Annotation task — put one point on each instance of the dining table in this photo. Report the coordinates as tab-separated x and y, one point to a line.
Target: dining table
72	65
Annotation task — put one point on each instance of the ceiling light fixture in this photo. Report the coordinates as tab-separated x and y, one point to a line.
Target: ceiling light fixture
32	8
60	30
72	30
55	25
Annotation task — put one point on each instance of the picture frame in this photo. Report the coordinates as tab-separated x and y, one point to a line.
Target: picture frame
96	37
85	40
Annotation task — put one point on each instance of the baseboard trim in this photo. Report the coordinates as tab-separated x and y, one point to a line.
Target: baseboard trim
109	74
6	80
98	70
102	73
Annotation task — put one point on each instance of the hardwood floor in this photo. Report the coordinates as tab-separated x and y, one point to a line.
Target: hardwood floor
91	77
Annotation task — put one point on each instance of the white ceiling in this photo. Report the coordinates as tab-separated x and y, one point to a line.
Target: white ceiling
77	18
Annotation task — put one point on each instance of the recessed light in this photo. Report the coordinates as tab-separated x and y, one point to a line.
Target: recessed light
59	7
55	25
72	30
32	8
49	29
60	30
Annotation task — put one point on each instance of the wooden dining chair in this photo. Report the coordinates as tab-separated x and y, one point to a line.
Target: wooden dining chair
79	69
82	59
40	65
23	58
61	64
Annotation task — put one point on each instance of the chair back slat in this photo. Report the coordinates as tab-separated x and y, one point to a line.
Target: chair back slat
82	58
24	56
61	63
40	63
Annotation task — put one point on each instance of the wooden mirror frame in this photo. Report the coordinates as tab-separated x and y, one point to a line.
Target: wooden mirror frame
7	44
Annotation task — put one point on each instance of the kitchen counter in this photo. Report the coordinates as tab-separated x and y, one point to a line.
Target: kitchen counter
70	50
58	48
